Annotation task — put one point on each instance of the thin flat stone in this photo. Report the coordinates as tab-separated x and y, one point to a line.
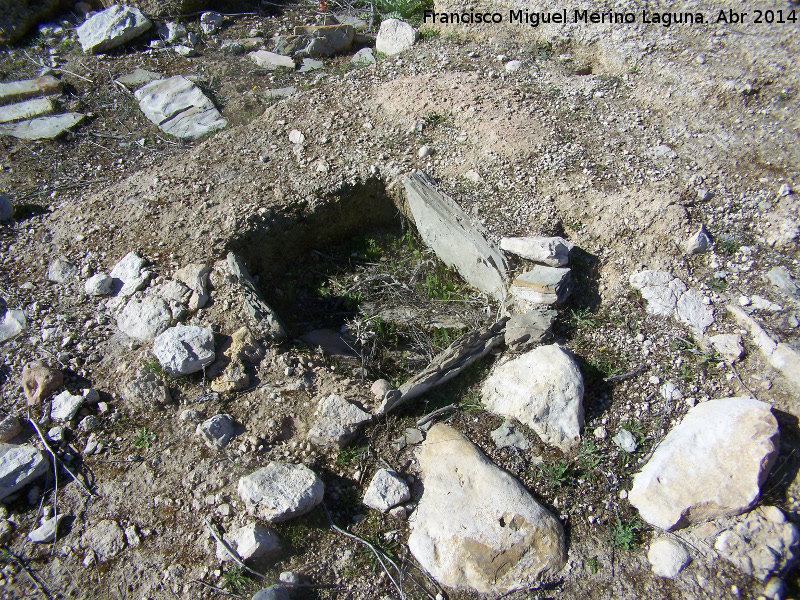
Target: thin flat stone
280	92
179	107
138	78
26	109
271	60
42	128
14	91
543	285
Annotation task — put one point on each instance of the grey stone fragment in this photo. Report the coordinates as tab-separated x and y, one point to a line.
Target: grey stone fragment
281	491
14	91
273	592
386	490
698	243
111	28
363	57
448	231
232	47
251	541
210	22
280	92
6	208
179	108
309	64
19	466
26	109
694	312
668	557
271	60
507	436
61	270
543	285
138	78
394	36
129	268
624	440
337	422
13	323
10	427
145	391
454	359
99	284
531	327
106	539
47	531
144	319
217	431
782	279
65	406
183	350
550	251
267	320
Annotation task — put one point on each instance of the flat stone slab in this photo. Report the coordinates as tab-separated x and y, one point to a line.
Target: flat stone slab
42	128
14	91
543	285
138	78
111	28
26	109
458	242
550	251
280	92
19	466
271	60
179	108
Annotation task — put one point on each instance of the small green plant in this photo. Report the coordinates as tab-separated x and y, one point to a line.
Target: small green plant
144	438
557	473
154	367
410	10
433	119
624	534
471	401
633	70
718	284
235	579
349	454
726	247
588	459
582	317
593	564
428	33
636	428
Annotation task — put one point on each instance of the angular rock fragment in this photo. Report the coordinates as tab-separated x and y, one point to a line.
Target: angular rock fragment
531	327
543	389
179	108
138	78
271	60
394	36
13	323
710	465
281	491
251	541
668	296
111	28
550	251
183	350
507	436
448	231
47	531
698	243
10	427
145	391
266	319
476	526
729	346
217	431
363	57
144	319
65	406
42	128
338	422
106	539
386	490
99	284
19	466
61	270
454	359
26	109
14	91
326	40
542	285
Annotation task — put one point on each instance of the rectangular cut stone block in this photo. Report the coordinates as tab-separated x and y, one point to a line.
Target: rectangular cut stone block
25	109
543	285
13	91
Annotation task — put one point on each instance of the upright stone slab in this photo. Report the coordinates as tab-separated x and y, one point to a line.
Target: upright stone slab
111	28
179	108
476	526
459	243
542	285
711	465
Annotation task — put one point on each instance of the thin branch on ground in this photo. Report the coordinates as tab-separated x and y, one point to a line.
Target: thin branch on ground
739	377
57	460
43	66
432	415
633	373
230	551
216	589
22	566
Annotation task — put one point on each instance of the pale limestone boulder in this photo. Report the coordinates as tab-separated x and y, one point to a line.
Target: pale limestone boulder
111	28
281	491
550	251
394	36
543	389
338	421
668	557
476	526
711	465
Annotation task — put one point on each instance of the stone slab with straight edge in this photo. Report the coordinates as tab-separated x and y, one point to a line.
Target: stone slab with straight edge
14	91
42	128
27	109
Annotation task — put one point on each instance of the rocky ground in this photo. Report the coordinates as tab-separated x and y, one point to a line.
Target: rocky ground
239	335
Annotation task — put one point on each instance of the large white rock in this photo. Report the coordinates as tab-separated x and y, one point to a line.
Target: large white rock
183	350
386	490
543	389
19	466
111	28
550	251
667	557
129	268
395	36
668	296
217	431
250	541
281	491
476	526
711	465
144	319
450	233
179	107
337	422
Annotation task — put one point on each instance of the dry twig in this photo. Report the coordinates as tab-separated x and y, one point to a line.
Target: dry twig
57	460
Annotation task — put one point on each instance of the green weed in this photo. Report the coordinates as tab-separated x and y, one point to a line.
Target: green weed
349	454
144	438
428	33
728	248
556	473
235	579
593	564
410	10
582	317
624	534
